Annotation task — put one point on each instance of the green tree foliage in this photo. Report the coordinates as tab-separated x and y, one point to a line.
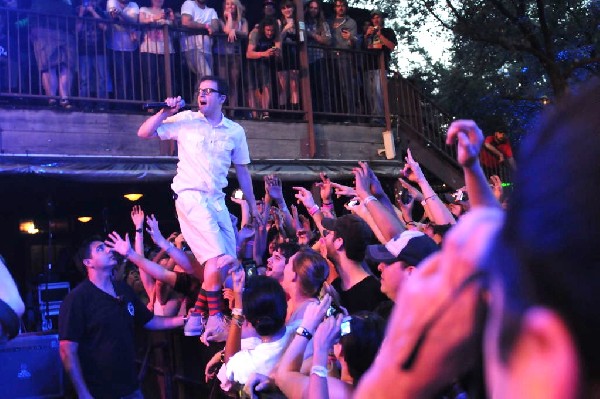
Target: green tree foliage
507	56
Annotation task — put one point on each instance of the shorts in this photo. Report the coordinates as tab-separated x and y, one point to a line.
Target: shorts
205	224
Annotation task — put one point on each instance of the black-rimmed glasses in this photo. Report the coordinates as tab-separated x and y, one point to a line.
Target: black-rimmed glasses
207	91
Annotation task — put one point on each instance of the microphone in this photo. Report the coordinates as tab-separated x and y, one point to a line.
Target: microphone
162	104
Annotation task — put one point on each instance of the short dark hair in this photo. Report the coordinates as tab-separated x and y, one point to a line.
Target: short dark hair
222	85
265	305
540	261
361	345
85	249
287	249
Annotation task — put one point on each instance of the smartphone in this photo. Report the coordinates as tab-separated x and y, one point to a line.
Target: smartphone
352	203
238	194
345	326
250	268
405	197
333	310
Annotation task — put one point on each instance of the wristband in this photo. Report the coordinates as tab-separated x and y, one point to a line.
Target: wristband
140	230
238	320
369	199
319	370
237	312
303	332
428	198
313	209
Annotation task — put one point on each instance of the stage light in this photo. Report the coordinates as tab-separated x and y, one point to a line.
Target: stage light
84	219
133	196
28	227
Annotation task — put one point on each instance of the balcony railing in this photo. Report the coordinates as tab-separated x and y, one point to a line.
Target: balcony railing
97	63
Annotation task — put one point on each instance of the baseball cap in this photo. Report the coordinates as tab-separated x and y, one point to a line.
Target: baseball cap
354	231
412	246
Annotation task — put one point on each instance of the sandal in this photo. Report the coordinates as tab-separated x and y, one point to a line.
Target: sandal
65	104
52	102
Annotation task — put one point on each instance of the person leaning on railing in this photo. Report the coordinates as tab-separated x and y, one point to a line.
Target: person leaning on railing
152	49
124	42
234	29
93	73
54	47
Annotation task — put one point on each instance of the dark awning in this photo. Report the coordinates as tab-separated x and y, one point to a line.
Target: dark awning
149	169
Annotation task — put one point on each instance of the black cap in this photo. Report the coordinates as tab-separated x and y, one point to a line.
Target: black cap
414	247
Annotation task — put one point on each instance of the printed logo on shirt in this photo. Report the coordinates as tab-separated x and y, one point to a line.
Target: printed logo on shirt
130	308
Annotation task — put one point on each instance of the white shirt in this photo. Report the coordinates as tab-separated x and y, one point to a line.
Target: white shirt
261	359
200	15
205	152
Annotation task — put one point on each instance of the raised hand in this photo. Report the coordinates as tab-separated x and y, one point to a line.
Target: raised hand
496	186
412	190
273	187
304	196
469	138
137	216
346	191
173	105
153	230
362	180
325	187
118	244
412	170
328	333
315	312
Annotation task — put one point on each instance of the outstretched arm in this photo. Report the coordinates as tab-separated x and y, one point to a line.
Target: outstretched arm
436	209
155	270
384	218
469	138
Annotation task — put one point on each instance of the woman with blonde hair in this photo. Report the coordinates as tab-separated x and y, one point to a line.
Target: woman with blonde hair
229	48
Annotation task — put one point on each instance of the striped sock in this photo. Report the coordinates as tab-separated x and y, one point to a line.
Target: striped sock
214	300
201	305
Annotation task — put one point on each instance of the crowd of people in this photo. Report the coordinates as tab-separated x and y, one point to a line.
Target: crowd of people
122	51
478	295
475	297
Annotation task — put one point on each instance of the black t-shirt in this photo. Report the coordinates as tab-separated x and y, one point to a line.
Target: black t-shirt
389	34
104	328
364	295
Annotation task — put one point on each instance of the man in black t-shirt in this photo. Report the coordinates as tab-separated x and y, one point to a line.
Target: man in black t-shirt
346	239
96	329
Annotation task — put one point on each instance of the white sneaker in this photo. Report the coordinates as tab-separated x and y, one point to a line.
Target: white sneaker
194	325
216	329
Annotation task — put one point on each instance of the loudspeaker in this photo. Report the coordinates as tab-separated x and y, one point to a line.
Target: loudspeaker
30	367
